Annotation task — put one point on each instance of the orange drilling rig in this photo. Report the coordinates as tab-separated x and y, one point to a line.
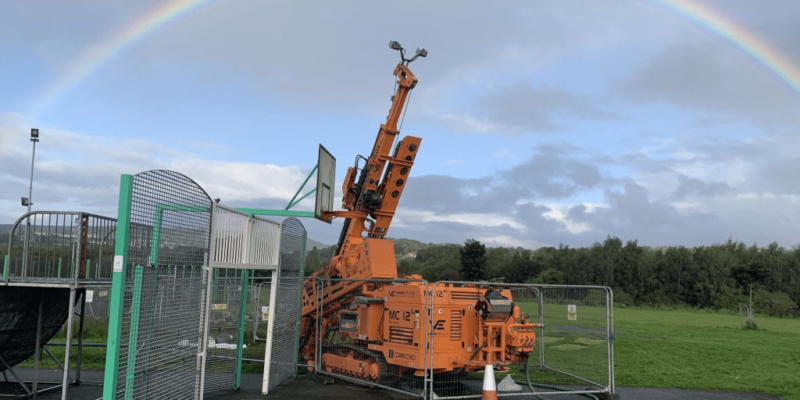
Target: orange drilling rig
378	331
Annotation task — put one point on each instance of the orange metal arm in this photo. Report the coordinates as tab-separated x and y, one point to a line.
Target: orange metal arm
369	195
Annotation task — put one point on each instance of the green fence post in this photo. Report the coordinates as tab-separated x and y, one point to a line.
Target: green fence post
300	301
155	242
5	267
117	292
88	269
133	345
242	315
59	267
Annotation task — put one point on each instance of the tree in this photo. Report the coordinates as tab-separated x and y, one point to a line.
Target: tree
473	261
755	272
312	261
548	277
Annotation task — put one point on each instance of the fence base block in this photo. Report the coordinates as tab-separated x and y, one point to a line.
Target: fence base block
323	379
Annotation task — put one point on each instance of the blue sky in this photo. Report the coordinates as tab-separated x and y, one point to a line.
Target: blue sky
542	122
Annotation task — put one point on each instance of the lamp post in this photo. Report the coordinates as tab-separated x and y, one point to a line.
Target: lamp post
28	201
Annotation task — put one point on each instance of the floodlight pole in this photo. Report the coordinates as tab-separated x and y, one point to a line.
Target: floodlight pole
34	139
33	158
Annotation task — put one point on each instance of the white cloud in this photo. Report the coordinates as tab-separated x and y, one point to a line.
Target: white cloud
557	213
508	241
82	172
473	219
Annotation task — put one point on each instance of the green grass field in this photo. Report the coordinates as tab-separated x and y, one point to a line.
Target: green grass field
653	348
706	350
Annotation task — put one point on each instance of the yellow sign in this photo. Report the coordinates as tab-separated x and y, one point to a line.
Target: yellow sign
222	306
572	312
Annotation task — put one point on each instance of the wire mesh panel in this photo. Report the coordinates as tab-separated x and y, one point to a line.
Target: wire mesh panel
225	325
165	288
97	306
576	338
160	332
259	310
373	332
48	245
285	309
528	333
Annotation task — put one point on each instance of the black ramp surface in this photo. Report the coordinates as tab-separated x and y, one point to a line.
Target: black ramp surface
19	307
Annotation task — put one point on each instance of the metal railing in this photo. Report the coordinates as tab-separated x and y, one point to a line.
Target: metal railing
60	246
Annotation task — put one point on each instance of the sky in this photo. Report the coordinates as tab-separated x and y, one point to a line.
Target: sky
542	123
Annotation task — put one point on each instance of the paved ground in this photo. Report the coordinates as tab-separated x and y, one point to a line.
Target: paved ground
303	387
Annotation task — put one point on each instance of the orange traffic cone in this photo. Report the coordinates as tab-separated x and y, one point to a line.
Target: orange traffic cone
489	386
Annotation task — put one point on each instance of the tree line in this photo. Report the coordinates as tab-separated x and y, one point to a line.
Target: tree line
719	276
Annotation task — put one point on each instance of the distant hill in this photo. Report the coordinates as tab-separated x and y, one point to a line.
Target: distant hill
310	243
405	246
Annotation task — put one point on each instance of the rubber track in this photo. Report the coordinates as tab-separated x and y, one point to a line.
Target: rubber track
383	366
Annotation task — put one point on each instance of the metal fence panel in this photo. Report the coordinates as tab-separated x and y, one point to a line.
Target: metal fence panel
284	310
162	318
576	338
573	352
225	329
48	245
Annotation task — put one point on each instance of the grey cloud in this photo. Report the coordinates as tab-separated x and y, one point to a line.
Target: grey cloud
522	108
702	73
779	176
689	187
551	174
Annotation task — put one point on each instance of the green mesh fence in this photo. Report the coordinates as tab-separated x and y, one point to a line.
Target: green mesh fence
159	314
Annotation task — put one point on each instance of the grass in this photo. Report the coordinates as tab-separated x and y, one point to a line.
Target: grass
653	348
702	350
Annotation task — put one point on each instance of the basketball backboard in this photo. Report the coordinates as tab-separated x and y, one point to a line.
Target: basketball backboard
326	177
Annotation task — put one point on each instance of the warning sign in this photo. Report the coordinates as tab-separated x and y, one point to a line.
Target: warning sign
572	312
264	313
89	296
222	306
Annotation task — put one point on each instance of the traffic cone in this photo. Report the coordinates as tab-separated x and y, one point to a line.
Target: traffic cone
489	387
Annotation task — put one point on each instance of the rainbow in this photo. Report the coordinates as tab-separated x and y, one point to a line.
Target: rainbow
713	20
96	56
759	50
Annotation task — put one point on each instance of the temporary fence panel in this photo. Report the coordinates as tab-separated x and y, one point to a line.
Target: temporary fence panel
280	358
373	332
97	302
260	307
46	246
569	354
577	340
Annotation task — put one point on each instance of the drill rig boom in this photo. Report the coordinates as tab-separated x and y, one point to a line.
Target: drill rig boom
382	325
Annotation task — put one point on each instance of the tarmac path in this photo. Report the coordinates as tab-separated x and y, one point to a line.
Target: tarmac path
303	387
